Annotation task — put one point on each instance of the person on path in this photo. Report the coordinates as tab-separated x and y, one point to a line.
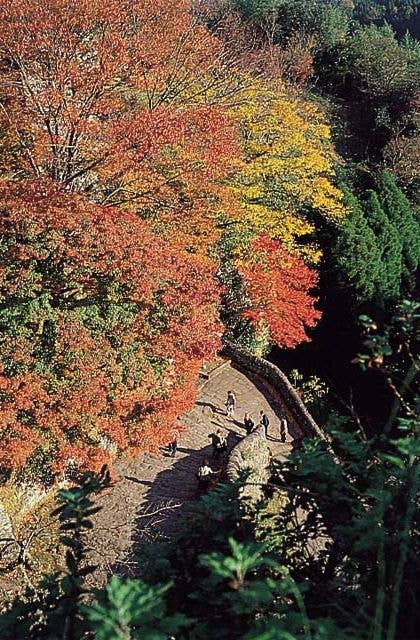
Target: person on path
248	423
230	404
283	427
173	447
264	421
219	443
205	475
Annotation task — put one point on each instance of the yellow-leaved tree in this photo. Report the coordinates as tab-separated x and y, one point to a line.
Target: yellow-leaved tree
288	167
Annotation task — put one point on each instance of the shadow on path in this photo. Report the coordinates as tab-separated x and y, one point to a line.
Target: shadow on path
156	490
276	406
174	488
211	406
167	500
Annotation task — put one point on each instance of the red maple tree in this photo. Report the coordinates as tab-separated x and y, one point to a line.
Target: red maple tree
101	337
278	285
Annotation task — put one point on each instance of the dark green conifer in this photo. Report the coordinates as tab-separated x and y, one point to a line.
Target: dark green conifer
390	247
356	255
399	213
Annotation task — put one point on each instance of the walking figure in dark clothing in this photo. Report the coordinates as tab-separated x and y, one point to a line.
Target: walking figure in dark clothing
218	442
248	423
230	404
264	421
173	445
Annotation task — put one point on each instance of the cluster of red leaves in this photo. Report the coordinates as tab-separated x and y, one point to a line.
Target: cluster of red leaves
277	284
104	328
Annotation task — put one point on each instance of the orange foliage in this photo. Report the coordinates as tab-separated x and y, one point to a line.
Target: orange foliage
101	337
120	100
117	120
277	284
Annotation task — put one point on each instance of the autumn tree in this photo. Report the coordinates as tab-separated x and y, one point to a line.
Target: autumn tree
276	297
124	102
287	168
101	339
121	113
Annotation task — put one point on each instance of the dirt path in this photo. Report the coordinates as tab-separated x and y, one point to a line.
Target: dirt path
154	491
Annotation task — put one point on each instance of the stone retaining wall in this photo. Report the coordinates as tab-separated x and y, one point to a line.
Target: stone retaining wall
253	454
280	383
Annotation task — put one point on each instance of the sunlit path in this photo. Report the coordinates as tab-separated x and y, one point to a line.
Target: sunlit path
153	492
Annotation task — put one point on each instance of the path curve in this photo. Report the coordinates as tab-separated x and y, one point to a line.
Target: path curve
155	490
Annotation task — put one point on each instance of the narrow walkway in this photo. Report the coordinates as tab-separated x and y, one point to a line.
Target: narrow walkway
153	492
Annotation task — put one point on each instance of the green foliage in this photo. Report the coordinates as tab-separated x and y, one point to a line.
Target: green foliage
131	610
376	254
326	21
256	8
400	214
380	64
356	256
314	393
390	246
401	14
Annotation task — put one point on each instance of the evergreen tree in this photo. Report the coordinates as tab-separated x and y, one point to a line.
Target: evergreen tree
399	212
390	247
356	256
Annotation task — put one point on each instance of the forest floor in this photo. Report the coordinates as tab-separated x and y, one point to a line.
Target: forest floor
153	492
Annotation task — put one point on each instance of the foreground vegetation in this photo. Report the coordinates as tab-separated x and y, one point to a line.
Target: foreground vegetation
330	553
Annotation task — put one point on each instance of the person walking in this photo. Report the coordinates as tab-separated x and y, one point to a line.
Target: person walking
248	423
264	421
219	443
230	404
173	446
205	475
283	427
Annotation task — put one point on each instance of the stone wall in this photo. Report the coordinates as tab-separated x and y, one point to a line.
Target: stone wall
281	385
253	454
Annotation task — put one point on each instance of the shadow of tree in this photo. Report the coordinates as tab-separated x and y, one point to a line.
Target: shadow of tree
158	491
168	499
211	406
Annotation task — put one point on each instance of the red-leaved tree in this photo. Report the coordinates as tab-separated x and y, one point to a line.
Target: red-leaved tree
277	285
122	100
103	330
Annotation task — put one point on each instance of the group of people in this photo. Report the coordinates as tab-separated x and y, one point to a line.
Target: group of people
249	423
205	473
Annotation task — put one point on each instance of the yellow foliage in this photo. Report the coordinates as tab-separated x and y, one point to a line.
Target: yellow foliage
287	166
